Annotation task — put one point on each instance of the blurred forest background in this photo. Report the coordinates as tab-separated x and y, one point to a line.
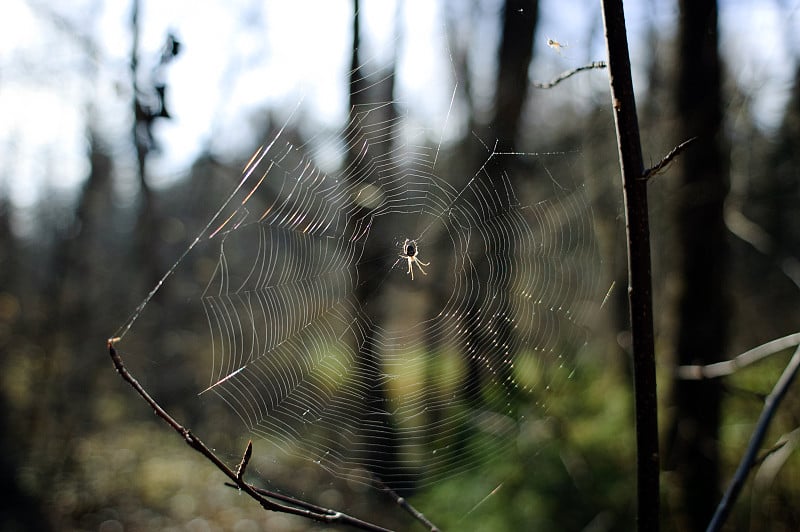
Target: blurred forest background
92	216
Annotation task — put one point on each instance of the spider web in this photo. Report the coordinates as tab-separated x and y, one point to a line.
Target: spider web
318	340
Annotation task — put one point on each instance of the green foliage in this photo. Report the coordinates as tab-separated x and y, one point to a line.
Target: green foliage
569	469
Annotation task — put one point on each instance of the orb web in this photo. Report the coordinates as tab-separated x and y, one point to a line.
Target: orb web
321	344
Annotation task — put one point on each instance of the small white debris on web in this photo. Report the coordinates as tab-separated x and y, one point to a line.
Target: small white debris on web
555	45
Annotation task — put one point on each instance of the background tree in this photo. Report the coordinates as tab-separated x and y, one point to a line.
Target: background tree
366	90
514	57
702	311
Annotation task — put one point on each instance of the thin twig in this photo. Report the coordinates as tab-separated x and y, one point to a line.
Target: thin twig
248	453
663	163
300	508
771	404
752	233
343	518
769	452
728	367
405	505
568	74
639	265
772	460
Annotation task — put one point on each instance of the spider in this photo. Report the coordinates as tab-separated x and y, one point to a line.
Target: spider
410	252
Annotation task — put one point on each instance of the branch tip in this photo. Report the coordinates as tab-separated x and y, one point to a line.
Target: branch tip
248	453
663	163
265	499
568	74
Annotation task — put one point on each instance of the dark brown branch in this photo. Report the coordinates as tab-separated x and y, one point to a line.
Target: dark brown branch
300	508
343	518
771	404
401	501
568	74
663	163
639	269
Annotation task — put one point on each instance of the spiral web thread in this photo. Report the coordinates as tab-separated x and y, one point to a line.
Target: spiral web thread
420	379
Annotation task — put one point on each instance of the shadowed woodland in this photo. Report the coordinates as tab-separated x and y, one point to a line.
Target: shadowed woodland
81	451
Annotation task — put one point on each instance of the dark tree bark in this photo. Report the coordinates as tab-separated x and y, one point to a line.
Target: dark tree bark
640	300
149	106
19	510
146	249
514	58
511	89
76	286
703	253
384	451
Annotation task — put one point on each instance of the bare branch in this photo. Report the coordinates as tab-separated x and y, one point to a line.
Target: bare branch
248	453
771	404
640	280
401	501
769	452
747	230
663	163
405	505
568	74
342	518
750	232
729	367
772	461
300	508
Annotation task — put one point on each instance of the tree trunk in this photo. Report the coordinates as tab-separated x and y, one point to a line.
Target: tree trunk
382	450
514	57
703	253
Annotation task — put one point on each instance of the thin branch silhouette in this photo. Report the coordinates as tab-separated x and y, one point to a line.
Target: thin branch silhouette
729	367
594	65
639	266
771	461
668	158
266	499
405	505
771	404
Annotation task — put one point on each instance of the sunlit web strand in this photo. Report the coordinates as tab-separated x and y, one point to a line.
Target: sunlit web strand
288	340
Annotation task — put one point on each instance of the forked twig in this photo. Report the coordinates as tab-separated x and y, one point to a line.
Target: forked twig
568	74
769	452
773	459
401	501
263	497
663	163
771	404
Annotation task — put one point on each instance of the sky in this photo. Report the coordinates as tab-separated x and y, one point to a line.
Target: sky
63	62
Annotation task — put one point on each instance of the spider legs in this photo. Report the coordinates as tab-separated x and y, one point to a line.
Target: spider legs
411	262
